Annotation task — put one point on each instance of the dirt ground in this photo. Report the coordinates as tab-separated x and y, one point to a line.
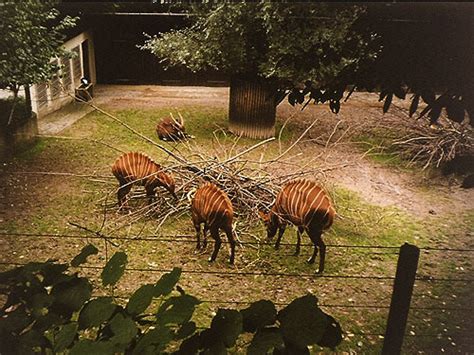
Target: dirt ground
347	167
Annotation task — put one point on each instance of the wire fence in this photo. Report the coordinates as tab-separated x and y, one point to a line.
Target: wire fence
346	307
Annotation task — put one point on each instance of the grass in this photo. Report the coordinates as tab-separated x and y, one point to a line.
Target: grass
377	146
46	204
379	149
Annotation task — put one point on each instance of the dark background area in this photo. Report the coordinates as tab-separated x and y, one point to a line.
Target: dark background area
429	43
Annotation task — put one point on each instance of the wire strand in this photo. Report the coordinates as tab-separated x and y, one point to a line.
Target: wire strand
186	238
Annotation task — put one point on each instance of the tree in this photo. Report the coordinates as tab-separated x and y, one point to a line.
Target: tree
316	52
425	50
31	35
267	49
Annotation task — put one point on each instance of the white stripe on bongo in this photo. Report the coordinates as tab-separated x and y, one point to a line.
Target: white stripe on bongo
209	201
312	203
303	199
313	186
128	168
296	201
291	195
143	166
216	209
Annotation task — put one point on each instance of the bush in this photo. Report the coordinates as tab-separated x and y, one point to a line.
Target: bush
49	309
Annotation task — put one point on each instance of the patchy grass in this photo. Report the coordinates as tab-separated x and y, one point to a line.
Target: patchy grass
378	147
46	203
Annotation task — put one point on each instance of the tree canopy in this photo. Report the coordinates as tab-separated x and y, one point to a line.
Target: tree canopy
316	52
287	42
31	34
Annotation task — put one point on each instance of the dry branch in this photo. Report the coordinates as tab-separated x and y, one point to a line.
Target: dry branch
428	146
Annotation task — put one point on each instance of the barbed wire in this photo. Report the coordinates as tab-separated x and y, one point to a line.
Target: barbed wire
186	238
326	305
233	273
271	274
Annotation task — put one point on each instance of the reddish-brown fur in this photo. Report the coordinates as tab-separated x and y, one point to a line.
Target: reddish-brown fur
212	207
304	204
170	130
138	168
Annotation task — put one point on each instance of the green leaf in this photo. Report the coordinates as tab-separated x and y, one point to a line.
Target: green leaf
65	337
153	342
16	320
210	340
39	303
124	329
96	312
30	35
90	347
33	339
265	339
186	330
140	300
69	296
167	282
258	315
228	324
191	345
81	258
302	322
177	310
48	321
54	273
332	336
114	269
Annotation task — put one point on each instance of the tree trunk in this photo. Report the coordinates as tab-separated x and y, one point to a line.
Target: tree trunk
252	108
15	99
28	99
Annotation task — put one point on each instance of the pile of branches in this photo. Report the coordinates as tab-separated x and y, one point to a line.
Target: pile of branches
252	185
431	146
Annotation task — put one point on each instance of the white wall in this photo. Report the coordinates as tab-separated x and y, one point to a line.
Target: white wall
56	93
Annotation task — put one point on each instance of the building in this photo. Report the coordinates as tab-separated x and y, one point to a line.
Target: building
105	50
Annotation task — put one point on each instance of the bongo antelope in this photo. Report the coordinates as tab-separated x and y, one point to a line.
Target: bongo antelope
138	168
212	207
169	129
304	204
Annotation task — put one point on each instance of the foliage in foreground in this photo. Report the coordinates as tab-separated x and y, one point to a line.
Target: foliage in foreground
51	310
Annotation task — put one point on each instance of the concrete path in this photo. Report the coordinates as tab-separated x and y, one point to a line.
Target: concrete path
59	120
136	97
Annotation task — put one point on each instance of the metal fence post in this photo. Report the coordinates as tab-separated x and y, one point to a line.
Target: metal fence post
401	297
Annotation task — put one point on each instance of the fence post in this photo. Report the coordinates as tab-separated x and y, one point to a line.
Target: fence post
401	297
